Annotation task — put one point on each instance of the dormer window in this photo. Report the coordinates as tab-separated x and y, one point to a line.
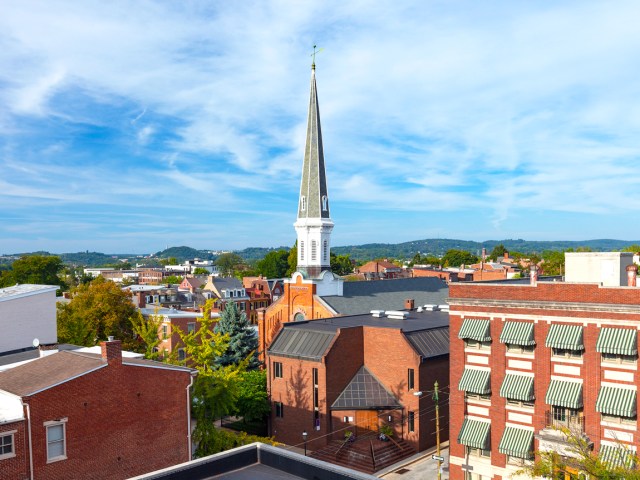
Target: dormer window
303	203
324	203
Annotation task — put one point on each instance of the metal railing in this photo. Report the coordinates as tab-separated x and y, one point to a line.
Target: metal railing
575	423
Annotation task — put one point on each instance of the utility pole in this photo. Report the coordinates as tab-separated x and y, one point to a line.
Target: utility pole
435	399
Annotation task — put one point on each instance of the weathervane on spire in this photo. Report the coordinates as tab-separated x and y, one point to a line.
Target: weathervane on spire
315	50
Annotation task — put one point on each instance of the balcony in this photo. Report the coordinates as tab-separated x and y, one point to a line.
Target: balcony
560	426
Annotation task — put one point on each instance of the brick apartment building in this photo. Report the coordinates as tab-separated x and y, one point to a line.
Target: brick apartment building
527	358
82	415
358	373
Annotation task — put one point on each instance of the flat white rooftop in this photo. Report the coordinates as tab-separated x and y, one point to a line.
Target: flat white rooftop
17	291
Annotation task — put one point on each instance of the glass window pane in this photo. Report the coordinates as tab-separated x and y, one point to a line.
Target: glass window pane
56	449
54	433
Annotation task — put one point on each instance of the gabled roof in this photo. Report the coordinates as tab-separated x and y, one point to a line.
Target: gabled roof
297	343
362	297
192	281
52	370
365	391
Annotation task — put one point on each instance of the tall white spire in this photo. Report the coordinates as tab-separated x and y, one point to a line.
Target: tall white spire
314	224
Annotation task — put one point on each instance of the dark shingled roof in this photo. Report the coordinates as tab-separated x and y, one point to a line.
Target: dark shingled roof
56	368
362	297
365	391
430	343
298	343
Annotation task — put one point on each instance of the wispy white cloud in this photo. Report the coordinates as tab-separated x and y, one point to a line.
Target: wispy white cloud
427	107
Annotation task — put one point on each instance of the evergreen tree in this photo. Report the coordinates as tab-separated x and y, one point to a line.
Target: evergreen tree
243	342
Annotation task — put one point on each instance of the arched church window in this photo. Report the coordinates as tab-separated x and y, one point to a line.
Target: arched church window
303	203
325	250
324	203
298	317
314	248
301	250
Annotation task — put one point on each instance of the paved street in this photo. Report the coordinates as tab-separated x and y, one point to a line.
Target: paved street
419	467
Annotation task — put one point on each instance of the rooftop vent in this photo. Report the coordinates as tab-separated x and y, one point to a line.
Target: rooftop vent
430	308
444	308
377	313
419	309
397	314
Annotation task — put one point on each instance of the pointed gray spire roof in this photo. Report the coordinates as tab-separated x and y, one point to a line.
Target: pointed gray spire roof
314	199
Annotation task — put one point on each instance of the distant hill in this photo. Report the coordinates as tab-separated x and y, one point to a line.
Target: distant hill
439	246
370	251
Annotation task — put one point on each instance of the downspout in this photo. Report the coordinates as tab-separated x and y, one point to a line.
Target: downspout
192	377
30	443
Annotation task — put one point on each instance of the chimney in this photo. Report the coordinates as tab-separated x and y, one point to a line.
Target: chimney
112	351
632	275
533	276
409	303
484	253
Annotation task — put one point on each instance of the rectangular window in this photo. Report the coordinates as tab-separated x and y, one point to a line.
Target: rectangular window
475	396
164	332
470	343
181	354
316	393
411	379
411	420
191	327
513	348
566	353
618	419
518	403
6	445
315	377
478	452
615	358
279	409
56	448
277	369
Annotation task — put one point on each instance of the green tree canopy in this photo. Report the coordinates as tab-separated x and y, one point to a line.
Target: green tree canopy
200	271
497	252
243	342
341	264
35	269
229	263
253	404
274	264
292	259
455	258
97	310
147	331
172	279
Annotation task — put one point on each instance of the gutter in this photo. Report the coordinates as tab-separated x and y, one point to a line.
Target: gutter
30	442
189	446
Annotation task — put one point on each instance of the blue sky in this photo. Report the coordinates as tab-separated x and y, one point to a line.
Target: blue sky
130	126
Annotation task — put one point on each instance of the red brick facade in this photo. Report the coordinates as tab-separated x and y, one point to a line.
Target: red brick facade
119	421
387	354
545	304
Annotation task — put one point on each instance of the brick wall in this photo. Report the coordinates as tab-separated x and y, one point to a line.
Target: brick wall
18	466
122	421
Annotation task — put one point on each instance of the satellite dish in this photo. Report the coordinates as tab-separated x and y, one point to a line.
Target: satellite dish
36	343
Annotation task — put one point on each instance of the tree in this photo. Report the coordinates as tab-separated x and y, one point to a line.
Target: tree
274	264
36	269
169	261
229	263
341	264
97	310
201	271
172	279
582	459
253	404
553	263
456	258
497	252
216	389
293	259
147	331
243	342
635	248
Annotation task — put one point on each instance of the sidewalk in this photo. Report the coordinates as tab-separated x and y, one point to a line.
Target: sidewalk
419	466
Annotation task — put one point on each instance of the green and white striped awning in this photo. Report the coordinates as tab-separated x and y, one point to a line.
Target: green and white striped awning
475	434
475	381
517	387
617	456
564	394
617	401
517	442
618	341
517	333
478	330
565	336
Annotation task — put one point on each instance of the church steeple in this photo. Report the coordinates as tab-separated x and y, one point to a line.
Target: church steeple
314	224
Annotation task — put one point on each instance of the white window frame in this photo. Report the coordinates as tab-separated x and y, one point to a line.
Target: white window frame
522	349
478	452
12	453
191	327
619	359
519	403
567	353
475	344
619	420
56	423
